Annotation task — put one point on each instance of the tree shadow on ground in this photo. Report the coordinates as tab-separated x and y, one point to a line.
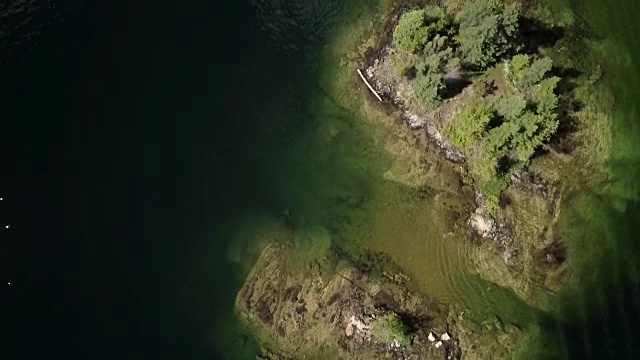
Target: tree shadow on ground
454	86
535	34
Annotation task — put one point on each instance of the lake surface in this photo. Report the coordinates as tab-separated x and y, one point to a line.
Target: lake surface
151	145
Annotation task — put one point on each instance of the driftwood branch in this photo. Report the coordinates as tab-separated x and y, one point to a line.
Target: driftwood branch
369	85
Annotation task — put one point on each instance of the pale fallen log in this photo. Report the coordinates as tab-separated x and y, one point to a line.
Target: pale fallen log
369	85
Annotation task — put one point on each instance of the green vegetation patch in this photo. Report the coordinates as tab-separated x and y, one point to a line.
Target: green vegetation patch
488	29
497	129
500	134
434	44
418	27
425	39
390	327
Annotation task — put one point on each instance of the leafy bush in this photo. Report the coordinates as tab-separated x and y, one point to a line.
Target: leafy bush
519	62
411	32
490	178
525	73
488	29
470	124
418	27
492	189
389	327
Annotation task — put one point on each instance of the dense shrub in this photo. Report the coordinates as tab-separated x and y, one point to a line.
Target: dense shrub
428	86
470	124
488	29
390	327
411	32
418	27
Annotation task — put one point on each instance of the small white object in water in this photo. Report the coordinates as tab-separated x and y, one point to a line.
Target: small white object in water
7	226
438	344
431	337
445	337
9	283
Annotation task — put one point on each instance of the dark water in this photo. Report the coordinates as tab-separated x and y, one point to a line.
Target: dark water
136	145
132	143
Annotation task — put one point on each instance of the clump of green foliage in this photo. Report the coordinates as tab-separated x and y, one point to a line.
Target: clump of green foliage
501	136
411	32
425	35
390	327
471	124
483	33
418	27
525	72
488	30
428	84
498	136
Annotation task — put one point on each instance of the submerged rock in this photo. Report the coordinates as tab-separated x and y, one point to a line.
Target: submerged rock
483	225
500	233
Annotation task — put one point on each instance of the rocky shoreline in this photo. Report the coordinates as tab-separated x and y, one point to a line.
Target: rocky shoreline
377	74
521	237
390	91
498	229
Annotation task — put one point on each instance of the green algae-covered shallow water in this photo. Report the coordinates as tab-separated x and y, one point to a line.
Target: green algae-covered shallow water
204	125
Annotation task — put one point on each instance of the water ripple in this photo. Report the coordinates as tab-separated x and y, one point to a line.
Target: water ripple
293	24
22	23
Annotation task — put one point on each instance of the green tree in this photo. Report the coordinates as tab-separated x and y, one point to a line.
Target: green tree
524	73
536	71
411	32
510	106
488	29
525	137
428	86
470	124
544	96
440	29
418	27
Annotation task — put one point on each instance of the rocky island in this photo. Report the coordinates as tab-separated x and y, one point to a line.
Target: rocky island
492	90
